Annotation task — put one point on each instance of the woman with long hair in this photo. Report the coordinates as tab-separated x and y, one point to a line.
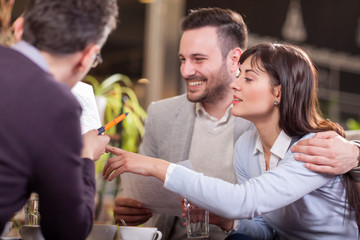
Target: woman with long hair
277	91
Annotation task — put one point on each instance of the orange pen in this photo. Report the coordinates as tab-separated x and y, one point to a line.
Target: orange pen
112	123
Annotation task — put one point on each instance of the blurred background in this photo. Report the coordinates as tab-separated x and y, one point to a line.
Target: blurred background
145	44
145	47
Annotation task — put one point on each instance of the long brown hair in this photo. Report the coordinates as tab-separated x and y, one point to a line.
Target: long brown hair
290	67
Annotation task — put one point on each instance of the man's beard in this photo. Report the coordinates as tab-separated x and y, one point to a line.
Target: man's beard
214	93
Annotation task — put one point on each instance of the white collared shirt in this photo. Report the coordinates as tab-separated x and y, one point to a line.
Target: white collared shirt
278	151
209	120
284	196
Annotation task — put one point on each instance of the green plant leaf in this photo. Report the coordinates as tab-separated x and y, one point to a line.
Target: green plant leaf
352	124
94	82
109	83
120	98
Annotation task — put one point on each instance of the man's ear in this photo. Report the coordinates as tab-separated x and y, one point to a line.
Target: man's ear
87	57
233	58
18	28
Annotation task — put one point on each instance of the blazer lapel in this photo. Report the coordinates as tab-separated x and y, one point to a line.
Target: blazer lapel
184	120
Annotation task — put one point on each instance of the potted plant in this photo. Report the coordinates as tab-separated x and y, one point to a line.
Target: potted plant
6	29
115	96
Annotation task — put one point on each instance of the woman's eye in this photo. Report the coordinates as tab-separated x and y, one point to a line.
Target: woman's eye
248	79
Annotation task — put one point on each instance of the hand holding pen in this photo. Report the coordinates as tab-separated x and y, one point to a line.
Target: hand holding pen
112	123
94	144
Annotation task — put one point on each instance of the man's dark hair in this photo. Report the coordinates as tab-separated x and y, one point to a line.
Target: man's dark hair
68	26
231	29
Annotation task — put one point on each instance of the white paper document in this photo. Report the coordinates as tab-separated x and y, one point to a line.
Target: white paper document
90	116
151	192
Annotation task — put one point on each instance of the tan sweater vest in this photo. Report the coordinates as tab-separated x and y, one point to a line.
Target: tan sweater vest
211	151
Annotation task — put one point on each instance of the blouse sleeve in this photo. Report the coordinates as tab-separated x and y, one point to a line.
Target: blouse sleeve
254	197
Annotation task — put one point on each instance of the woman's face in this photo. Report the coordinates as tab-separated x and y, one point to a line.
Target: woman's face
254	95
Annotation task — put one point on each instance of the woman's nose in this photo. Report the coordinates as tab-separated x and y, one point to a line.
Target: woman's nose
235	85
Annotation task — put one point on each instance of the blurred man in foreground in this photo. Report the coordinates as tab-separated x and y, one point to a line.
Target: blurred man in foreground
41	148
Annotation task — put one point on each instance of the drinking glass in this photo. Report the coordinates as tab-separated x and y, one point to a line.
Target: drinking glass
197	221
31	209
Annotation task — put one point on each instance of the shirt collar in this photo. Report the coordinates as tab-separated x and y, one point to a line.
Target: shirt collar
258	146
32	53
201	113
279	147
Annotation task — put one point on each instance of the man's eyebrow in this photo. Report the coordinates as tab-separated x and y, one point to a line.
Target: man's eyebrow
198	55
194	55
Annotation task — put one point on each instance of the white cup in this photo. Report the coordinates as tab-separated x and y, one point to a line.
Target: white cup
197	221
139	233
6	229
31	232
102	231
